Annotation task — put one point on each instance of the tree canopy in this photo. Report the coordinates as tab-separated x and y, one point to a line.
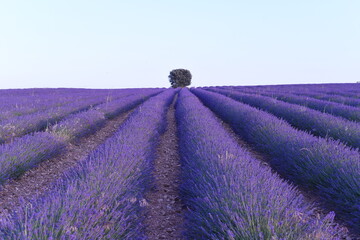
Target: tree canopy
180	78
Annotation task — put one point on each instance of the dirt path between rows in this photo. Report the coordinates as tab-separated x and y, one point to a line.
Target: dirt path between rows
165	212
37	181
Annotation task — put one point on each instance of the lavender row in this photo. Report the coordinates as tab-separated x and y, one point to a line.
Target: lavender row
38	121
305	90
345	98
309	99
19	156
309	90
84	123
325	167
116	107
29	101
345	89
344	93
348	112
26	152
78	125
318	123
26	101
332	98
103	196
230	194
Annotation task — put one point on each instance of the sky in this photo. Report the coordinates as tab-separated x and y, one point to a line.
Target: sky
134	44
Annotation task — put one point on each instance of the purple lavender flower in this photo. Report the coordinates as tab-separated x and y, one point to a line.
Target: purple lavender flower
101	197
26	152
325	167
230	194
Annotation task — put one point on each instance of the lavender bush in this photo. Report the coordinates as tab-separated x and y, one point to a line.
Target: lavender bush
114	108
230	194
318	123
26	101
343	89
15	102
337	109
349	112
26	152
18	158
347	94
16	127
325	167
78	125
333	98
102	197
86	122
40	120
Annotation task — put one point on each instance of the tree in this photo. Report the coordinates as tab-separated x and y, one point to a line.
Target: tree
180	78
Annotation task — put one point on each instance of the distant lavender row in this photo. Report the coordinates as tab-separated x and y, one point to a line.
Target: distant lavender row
345	89
78	125
38	121
25	152
309	90
339	99
19	126
230	194
114	108
319	123
325	167
84	123
19	156
27	101
102	197
337	109
344	93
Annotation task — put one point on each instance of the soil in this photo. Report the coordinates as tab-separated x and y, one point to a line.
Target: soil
36	181
165	211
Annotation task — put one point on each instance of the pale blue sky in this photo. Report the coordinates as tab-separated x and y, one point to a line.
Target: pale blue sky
119	44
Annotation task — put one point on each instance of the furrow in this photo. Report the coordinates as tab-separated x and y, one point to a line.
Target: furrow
164	218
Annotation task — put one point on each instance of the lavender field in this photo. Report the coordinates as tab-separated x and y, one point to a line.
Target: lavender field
231	162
